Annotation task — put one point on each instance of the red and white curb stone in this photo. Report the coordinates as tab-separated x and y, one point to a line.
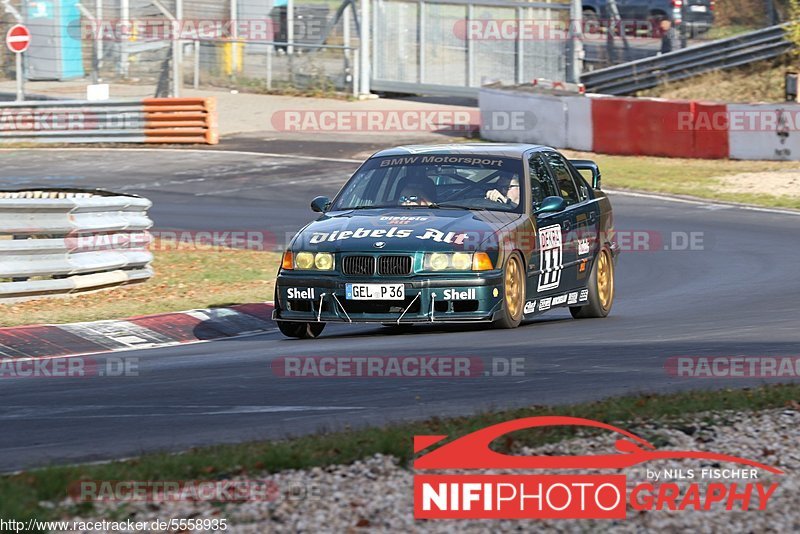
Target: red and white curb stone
148	331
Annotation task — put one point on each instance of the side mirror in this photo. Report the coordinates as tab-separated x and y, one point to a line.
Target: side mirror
552	205
320	204
591	166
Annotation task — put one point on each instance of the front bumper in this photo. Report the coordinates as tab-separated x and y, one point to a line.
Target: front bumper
473	297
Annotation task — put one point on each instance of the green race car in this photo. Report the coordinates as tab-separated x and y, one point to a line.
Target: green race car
492	233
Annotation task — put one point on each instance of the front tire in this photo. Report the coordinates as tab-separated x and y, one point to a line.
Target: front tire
601	289
300	330
513	293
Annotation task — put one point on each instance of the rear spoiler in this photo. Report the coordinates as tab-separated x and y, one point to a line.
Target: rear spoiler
588	165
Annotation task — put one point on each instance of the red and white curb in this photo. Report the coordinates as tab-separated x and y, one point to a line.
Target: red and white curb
148	331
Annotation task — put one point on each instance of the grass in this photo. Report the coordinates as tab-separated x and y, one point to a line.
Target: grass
693	177
22	495
762	81
186	278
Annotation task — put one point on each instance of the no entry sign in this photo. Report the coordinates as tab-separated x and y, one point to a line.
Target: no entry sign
18	38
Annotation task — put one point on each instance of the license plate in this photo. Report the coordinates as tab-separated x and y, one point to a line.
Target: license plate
698	9
375	291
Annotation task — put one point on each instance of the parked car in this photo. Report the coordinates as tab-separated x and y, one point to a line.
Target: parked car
695	16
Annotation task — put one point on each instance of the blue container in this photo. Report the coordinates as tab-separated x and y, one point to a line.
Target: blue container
56	50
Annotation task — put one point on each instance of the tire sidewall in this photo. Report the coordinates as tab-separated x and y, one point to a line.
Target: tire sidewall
506	320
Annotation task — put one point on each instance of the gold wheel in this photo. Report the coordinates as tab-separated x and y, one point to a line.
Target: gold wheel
513	288
605	280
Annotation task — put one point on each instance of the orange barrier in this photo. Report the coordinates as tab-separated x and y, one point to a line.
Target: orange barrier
181	120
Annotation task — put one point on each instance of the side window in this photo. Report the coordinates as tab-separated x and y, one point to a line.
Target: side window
541	182
566	185
580	181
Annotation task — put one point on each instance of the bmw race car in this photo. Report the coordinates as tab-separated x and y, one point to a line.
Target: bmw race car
483	233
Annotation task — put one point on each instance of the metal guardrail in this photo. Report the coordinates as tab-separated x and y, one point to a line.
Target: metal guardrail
55	242
633	76
151	120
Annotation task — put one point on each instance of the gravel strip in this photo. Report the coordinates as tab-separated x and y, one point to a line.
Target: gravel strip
376	493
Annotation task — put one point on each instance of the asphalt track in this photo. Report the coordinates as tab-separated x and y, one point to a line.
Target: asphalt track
737	295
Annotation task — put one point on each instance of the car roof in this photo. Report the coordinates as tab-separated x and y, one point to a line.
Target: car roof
507	150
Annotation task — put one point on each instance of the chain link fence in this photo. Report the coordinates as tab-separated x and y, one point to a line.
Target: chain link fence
137	44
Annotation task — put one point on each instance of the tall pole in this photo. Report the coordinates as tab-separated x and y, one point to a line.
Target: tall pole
177	56
290	26
364	70
20	74
575	41
98	13
125	15
234	36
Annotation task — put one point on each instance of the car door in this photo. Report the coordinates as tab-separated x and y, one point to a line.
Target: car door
587	226
546	275
572	220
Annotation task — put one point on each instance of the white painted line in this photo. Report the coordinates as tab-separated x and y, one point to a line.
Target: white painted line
222	410
709	204
195	150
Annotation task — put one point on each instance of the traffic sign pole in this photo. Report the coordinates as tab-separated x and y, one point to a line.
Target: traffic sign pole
20	88
18	39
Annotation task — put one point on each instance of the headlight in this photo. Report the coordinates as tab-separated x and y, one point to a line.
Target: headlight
438	262
324	261
457	261
304	260
310	261
462	261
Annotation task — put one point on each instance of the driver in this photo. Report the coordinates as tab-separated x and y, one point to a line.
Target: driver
507	193
418	190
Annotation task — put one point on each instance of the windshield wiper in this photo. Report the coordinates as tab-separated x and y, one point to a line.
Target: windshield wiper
376	207
459	207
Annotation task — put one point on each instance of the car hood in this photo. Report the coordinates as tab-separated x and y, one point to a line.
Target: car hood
400	230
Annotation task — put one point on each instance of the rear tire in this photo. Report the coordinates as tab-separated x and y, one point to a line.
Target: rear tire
601	289
513	293
300	330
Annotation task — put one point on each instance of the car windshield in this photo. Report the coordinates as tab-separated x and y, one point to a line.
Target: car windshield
475	182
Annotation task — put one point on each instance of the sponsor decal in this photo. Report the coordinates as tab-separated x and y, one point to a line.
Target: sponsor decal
572	298
402	219
530	307
455	294
297	293
584	296
359	233
453	160
544	304
550	257
442	237
561	299
583	246
542	494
